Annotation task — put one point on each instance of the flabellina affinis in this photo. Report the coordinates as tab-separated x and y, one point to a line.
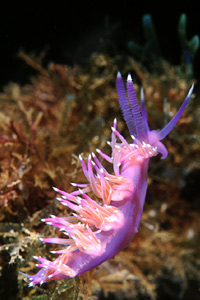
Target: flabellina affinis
97	231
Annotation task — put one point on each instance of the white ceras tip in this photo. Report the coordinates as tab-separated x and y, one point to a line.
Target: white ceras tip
53	216
30	284
133	137
93	154
35	257
109	143
80	191
59	199
55	189
101	170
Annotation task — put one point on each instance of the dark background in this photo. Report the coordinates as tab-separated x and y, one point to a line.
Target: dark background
70	31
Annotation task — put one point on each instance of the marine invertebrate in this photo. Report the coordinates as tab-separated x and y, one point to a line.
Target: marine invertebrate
97	231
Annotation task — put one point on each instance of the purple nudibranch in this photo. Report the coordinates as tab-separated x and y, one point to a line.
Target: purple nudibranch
97	231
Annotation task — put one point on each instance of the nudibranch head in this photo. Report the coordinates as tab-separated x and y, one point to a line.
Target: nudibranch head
97	230
136	118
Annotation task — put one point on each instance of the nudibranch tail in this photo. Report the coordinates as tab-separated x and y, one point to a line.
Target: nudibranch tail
101	227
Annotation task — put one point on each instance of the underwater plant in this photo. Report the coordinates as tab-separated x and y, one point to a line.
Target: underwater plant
150	52
151	48
188	47
97	231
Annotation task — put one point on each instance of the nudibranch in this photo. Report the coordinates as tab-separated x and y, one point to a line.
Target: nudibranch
97	230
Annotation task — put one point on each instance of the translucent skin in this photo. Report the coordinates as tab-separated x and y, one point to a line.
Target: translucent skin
98	231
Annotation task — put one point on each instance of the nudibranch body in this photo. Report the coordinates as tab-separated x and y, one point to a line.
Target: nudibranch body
96	231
